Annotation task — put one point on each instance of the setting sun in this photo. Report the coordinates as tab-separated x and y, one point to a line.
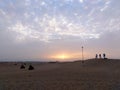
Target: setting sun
65	56
61	56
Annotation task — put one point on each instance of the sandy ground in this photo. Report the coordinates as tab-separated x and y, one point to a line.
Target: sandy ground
90	75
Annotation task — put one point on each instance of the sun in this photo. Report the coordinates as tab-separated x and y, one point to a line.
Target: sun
61	56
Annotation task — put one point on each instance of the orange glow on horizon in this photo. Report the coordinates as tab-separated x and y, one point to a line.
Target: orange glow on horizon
68	56
65	56
61	56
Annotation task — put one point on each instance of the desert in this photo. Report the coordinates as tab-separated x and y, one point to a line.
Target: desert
92	74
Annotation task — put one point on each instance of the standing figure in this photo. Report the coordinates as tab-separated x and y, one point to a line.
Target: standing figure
96	56
104	55
100	56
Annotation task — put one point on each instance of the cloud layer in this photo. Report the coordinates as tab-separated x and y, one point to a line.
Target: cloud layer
48	21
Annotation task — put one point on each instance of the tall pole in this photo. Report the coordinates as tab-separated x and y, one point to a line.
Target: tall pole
82	53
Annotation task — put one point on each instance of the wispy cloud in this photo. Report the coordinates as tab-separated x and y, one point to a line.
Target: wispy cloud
27	21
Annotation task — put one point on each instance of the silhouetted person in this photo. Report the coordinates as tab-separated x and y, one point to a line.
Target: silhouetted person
100	56
31	67
104	56
96	56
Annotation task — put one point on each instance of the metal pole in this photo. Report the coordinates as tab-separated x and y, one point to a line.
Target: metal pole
82	53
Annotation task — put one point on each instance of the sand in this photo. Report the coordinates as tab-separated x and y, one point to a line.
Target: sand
90	75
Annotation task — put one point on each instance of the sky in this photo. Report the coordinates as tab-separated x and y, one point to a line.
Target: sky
46	30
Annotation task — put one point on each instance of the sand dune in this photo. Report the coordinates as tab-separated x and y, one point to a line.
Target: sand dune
90	75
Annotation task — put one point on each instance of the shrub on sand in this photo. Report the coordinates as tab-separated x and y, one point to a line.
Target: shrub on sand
22	67
31	67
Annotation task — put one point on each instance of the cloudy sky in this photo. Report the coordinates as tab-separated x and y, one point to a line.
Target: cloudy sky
57	29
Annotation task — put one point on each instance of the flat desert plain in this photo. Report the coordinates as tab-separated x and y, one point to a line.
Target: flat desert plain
91	74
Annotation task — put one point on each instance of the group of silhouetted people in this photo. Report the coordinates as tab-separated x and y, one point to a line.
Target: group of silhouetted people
101	56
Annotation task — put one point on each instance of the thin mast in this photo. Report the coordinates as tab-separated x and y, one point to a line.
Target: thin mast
82	53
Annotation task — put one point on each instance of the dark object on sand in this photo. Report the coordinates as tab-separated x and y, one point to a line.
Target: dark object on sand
82	61
31	67
22	67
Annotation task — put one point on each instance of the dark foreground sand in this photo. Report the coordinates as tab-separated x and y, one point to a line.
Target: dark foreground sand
90	75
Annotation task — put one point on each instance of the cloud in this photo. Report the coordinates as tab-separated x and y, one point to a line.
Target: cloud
52	23
50	28
81	1
45	26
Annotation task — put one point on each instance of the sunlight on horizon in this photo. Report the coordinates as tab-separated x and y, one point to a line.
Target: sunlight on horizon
61	56
66	56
